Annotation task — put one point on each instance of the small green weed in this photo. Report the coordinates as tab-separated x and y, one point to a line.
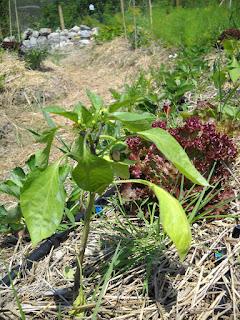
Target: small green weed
35	57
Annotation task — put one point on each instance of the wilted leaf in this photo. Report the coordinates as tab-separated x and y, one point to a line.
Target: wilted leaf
174	220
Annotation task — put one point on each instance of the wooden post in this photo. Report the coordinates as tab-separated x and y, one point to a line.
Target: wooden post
135	23
61	18
177	3
150	12
17	20
123	18
10	17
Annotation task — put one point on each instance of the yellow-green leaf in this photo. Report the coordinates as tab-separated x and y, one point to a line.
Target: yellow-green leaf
173	151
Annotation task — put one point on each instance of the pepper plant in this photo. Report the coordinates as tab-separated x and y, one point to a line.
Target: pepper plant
95	159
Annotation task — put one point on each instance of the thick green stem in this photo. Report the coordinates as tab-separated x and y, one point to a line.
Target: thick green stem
84	239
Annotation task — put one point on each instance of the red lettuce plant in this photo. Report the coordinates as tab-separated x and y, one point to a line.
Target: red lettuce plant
204	145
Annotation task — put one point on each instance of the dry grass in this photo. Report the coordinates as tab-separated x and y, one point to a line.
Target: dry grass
197	289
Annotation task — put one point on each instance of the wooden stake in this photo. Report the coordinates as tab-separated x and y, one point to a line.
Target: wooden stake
178	3
123	18
61	18
10	18
135	23
17	20
150	12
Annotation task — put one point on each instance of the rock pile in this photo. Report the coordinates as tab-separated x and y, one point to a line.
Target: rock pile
46	39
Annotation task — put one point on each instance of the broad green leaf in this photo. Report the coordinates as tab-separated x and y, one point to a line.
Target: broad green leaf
77	148
13	215
172	217
31	162
219	78
84	115
92	173
42	202
42	156
134	121
18	176
121	170
64	113
121	104
96	100
64	172
234	70
174	220
173	151
11	188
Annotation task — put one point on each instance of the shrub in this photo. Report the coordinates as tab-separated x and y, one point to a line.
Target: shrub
35	57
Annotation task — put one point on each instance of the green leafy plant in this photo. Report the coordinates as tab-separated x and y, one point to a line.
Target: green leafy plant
108	32
140	95
34	58
138	38
223	73
93	168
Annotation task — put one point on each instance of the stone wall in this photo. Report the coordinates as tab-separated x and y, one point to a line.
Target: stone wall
45	38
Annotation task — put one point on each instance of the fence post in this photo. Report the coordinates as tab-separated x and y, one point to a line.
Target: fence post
17	20
61	18
10	17
135	23
150	12
123	18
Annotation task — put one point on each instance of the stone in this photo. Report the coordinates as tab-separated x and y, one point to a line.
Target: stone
72	35
63	38
45	31
26	43
86	34
85	42
95	31
42	41
35	34
54	35
33	42
75	29
64	32
9	39
83	27
26	34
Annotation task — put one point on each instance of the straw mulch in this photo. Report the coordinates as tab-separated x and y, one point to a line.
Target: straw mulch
202	287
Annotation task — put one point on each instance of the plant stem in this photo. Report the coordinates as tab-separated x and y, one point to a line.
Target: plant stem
84	239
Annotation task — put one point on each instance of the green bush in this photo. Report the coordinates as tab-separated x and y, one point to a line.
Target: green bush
35	57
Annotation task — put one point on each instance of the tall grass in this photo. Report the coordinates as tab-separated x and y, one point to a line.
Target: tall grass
192	26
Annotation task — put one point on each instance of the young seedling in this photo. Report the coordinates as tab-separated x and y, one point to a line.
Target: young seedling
95	160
